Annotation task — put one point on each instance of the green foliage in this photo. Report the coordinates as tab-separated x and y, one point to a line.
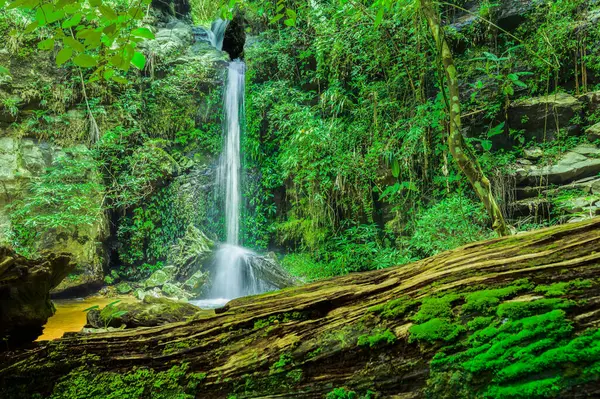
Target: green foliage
67	197
90	34
451	223
175	383
108	313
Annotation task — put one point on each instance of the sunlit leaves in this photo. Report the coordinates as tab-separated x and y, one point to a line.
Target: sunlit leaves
91	34
138	60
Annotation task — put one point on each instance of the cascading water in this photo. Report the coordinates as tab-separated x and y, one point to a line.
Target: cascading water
217	33
233	274
228	178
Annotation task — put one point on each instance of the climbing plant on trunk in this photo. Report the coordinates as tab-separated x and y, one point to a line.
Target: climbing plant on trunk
461	153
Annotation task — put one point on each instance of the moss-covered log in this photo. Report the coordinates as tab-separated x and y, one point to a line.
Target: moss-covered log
510	317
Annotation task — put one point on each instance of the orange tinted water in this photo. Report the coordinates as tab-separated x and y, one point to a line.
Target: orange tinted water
70	315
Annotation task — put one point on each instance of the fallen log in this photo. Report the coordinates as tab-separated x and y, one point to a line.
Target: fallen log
514	317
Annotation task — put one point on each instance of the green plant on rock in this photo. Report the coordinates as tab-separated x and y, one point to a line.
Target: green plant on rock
65	198
108	313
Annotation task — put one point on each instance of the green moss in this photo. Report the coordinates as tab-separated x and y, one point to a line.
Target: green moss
435	330
345	393
519	309
377	338
393	309
284	360
486	301
175	383
432	308
562	288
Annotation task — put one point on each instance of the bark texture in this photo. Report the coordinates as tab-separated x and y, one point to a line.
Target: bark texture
302	342
466	162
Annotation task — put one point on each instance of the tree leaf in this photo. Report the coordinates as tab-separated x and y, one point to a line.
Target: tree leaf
119	79
395	168
108	12
73	21
64	55
379	17
4	71
85	61
138	60
143	32
73	43
486	144
47	44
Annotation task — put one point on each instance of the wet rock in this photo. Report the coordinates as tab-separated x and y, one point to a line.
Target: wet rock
25	294
157	279
172	290
196	283
541	118
124	288
267	268
149	312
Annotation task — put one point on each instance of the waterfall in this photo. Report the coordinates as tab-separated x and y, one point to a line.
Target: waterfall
233	275
228	178
217	33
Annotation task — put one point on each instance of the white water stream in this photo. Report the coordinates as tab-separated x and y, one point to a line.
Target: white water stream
233	277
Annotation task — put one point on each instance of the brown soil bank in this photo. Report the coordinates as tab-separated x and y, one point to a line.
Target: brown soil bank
508	318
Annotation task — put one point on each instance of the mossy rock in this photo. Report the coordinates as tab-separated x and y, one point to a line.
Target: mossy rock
149	312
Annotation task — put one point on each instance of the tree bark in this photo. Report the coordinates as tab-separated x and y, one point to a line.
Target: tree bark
302	342
465	160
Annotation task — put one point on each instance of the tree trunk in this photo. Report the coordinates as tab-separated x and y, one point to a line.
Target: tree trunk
465	160
354	331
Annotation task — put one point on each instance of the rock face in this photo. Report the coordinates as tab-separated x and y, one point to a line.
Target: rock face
22	160
581	162
25	294
539	188
149	312
542	118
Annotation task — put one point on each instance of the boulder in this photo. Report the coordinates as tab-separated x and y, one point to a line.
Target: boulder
541	118
149	312
157	279
25	286
174	291
196	284
268	270
124	288
593	132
